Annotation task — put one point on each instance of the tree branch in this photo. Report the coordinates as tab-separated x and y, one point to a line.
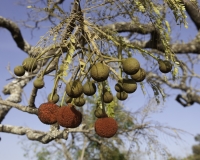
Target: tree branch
16	34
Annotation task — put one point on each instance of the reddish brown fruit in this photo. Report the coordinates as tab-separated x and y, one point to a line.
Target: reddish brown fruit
106	127
47	113
69	117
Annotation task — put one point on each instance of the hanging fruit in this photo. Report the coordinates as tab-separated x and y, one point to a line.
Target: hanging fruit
139	76
99	72
19	71
106	127
74	88
69	117
130	66
47	113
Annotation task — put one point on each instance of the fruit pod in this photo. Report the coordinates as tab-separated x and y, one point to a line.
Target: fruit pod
29	64
47	113
122	95
80	101
130	66
74	88
99	72
89	88
139	76
69	117
129	85
106	127
54	99
19	71
107	97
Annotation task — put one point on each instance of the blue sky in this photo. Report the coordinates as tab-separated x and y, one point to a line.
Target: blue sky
174	114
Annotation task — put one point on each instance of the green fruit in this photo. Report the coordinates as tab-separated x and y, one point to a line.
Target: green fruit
119	87
122	95
130	66
54	99
164	66
68	99
74	89
107	97
99	113
29	64
19	71
89	88
139	76
38	83
99	72
80	101
129	85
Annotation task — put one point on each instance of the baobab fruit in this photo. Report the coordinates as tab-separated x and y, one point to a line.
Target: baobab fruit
122	95
129	85
29	64
99	72
107	97
74	88
47	113
19	71
99	113
130	66
89	88
119	87
139	76
38	83
80	101
106	127
164	66
68	99
68	116
53	99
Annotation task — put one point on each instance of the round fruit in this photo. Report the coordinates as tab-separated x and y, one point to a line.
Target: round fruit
54	99
99	113
89	88
107	97
68	99
99	72
130	66
122	95
38	83
119	87
74	89
29	64
106	127
80	101
19	71
164	66
69	117
47	113
139	76
129	85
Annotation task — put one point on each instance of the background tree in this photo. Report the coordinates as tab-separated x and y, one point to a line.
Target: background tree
78	41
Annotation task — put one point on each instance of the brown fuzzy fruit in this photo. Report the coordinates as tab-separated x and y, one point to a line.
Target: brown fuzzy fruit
119	87
106	127
107	97
99	113
19	71
129	85
29	64
47	113
38	83
130	66
74	88
99	72
139	76
69	117
89	88
80	101
164	66
54	99
122	95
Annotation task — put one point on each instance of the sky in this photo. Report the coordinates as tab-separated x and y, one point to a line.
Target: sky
173	115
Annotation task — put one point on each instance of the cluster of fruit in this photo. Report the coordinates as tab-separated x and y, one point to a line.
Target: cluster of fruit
68	116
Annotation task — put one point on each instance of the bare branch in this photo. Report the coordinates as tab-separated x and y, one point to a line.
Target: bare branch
16	34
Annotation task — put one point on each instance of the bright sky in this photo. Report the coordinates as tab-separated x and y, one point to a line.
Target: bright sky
174	114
